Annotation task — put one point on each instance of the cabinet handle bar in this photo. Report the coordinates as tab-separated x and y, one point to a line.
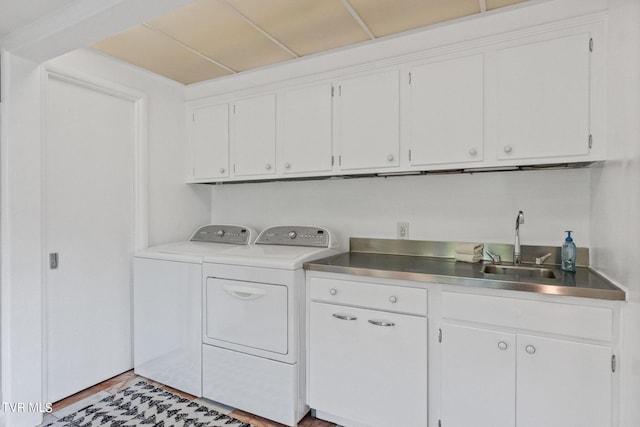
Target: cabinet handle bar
381	323
344	316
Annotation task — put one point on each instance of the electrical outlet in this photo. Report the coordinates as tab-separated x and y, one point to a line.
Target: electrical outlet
402	230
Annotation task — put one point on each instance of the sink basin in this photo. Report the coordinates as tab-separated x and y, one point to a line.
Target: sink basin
512	270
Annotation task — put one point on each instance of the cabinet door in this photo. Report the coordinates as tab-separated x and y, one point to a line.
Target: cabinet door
478	377
372	375
254	138
369	121
563	383
446	112
208	143
543	99
305	142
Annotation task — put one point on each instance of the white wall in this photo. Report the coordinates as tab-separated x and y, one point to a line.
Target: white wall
615	190
467	207
21	237
175	209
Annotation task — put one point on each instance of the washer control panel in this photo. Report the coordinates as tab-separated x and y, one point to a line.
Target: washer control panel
296	235
232	234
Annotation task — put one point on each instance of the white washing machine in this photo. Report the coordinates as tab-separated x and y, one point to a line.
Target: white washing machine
253	329
167	305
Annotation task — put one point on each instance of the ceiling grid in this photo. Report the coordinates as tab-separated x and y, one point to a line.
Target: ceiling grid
213	38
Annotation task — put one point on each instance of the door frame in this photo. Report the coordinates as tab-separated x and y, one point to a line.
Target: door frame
139	164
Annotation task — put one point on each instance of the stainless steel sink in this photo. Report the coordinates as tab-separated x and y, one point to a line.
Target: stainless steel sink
510	270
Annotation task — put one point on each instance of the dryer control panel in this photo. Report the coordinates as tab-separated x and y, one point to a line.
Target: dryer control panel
232	234
296	235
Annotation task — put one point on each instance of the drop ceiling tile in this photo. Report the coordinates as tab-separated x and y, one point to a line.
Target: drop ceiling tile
304	26
384	17
155	52
211	27
495	4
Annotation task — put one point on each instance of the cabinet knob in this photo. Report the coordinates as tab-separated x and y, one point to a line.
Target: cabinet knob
390	157
221	170
393	299
268	166
507	148
530	349
473	151
333	291
287	165
502	345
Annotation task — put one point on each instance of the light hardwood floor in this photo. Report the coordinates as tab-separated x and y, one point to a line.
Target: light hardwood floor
122	381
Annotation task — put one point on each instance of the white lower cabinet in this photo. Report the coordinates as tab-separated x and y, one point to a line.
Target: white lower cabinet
478	377
502	377
367	367
562	383
498	359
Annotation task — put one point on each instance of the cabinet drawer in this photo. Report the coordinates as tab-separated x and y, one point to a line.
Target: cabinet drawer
548	317
398	299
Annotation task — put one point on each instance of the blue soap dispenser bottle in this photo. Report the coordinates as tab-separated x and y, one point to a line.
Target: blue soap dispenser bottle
568	253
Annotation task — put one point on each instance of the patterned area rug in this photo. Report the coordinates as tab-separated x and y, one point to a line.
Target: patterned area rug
143	404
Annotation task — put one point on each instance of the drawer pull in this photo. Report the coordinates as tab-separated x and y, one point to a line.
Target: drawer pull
344	316
502	345
333	291
393	299
244	292
381	323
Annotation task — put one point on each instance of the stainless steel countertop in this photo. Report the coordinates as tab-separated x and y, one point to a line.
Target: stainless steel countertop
583	283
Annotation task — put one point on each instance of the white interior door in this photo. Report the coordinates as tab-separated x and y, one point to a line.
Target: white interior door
88	222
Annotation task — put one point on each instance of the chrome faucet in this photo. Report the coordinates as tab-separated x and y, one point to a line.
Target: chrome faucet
517	255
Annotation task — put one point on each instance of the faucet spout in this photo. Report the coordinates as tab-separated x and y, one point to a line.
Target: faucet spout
517	253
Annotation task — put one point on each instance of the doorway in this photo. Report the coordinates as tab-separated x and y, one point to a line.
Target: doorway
89	221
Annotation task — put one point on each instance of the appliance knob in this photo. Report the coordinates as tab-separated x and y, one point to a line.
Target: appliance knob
507	149
333	291
268	166
287	165
530	349
473	152
502	345
390	158
220	233
393	299
292	235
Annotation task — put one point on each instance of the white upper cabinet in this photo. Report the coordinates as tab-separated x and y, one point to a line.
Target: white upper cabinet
542	99
305	132
532	97
253	138
445	116
208	143
369	121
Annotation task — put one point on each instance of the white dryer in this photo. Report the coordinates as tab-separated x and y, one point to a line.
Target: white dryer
167	305
253	329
